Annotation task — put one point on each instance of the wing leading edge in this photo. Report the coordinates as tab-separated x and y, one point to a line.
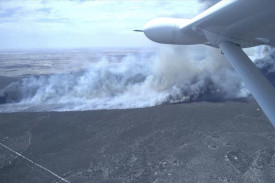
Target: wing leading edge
246	22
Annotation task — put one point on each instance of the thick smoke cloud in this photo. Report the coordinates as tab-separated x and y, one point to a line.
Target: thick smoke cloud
172	75
178	74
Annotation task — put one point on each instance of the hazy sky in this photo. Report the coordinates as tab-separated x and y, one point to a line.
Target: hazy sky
77	24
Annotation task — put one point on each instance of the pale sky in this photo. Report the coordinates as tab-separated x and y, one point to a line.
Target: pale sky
35	24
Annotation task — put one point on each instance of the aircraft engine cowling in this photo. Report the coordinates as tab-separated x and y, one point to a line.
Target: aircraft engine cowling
171	31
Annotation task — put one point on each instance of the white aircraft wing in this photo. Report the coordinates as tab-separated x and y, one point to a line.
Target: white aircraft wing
251	21
230	25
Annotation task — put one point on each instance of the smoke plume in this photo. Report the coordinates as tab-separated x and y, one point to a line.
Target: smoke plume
175	74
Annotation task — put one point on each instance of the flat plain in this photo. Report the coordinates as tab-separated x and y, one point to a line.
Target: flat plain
191	142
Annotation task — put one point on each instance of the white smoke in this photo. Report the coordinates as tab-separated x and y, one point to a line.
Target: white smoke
174	74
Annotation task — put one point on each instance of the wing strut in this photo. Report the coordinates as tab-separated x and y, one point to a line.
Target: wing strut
256	82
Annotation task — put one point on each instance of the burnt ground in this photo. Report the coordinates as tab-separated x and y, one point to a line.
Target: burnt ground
196	142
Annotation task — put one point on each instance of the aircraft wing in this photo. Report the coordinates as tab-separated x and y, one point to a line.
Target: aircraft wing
230	25
252	21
